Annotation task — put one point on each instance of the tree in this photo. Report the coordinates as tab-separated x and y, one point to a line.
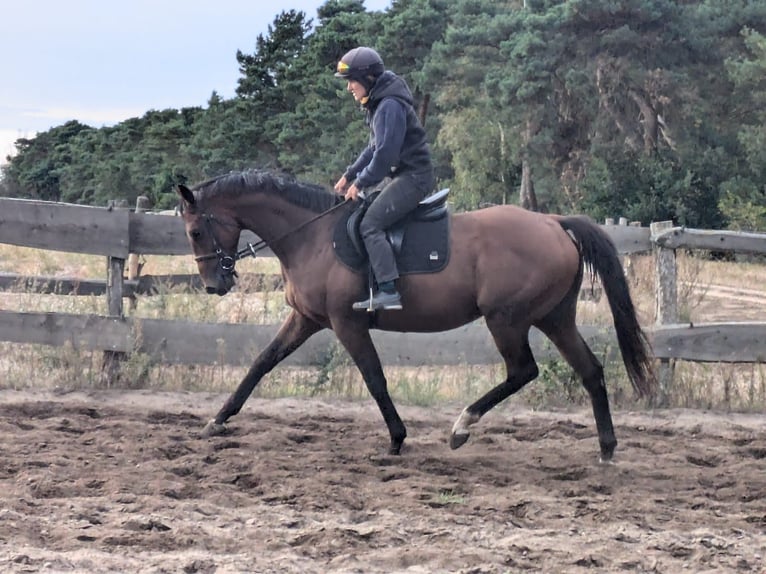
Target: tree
36	168
474	146
743	198
318	136
651	109
263	71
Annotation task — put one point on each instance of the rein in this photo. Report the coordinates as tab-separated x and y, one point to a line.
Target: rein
227	262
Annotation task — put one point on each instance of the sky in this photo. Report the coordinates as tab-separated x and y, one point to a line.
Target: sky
103	61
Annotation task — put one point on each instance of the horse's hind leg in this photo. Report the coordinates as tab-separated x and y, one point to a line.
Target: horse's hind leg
513	344
565	335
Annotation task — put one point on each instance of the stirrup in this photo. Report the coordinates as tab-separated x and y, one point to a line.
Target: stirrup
381	300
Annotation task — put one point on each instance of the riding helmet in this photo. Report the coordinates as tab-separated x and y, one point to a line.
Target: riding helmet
361	64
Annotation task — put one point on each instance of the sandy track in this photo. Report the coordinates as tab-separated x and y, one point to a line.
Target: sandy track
121	481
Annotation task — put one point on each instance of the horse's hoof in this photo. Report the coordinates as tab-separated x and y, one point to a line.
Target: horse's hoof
607	452
213	428
395	449
606	461
458	439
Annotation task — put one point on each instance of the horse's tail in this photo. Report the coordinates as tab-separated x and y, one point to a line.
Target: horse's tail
599	254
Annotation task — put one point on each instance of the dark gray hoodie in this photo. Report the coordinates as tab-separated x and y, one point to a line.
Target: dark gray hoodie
397	139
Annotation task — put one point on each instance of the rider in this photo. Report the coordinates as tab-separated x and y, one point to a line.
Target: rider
397	149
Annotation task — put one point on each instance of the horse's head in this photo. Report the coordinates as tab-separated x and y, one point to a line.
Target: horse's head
214	237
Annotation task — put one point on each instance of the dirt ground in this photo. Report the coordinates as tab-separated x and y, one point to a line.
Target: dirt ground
122	482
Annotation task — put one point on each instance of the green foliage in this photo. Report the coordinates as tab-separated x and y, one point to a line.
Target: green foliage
556	385
36	169
263	72
651	188
647	109
743	205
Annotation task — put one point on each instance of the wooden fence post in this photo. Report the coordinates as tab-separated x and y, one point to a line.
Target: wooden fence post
115	269
627	260
666	299
134	266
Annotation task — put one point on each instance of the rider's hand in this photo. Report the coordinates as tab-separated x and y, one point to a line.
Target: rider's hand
340	187
352	192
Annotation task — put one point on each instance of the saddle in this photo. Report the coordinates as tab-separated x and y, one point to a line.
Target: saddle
420	241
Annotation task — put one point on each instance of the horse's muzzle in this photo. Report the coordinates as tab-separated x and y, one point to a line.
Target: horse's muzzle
221	283
216	291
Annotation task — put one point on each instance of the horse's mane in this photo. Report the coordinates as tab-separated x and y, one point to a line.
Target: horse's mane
307	195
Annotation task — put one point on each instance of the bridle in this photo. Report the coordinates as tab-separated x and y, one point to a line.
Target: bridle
227	262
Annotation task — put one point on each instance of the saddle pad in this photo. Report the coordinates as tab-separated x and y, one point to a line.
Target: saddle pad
424	249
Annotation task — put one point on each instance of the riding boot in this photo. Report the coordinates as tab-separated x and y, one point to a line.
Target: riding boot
387	299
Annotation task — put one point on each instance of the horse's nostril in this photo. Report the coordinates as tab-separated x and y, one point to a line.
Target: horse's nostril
211	290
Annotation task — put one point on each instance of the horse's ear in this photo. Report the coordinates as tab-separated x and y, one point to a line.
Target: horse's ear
186	194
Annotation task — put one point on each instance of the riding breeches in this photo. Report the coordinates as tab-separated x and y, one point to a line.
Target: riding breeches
394	202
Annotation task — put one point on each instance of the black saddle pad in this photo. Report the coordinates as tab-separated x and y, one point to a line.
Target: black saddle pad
423	247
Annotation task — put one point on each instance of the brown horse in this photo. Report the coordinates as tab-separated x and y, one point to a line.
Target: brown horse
515	268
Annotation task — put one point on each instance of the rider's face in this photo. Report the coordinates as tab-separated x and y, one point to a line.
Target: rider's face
357	90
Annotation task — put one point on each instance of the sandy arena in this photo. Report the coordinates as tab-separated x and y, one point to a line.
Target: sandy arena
114	481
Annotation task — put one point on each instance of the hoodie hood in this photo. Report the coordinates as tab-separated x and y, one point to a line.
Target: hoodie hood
389	85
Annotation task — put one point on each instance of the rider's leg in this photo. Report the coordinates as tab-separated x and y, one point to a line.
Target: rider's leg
394	202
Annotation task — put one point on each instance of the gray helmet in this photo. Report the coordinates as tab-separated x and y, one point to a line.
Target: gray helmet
361	64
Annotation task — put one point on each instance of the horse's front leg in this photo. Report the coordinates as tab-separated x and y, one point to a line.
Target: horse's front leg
359	345
292	334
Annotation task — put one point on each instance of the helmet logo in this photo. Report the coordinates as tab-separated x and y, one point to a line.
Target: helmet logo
343	67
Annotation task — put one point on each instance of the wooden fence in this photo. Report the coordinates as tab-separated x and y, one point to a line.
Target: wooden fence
118	233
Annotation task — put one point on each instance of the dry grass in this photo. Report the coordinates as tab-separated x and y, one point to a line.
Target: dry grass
708	291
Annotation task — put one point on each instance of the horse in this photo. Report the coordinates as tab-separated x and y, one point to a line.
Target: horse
513	267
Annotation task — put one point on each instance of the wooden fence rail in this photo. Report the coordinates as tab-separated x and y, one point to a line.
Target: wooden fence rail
146	285
116	234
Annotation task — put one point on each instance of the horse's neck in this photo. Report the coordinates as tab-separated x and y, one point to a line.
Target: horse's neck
286	228
269	218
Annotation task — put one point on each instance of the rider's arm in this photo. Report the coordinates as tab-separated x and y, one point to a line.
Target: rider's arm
361	162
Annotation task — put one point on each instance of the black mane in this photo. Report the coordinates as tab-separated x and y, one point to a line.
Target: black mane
307	195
